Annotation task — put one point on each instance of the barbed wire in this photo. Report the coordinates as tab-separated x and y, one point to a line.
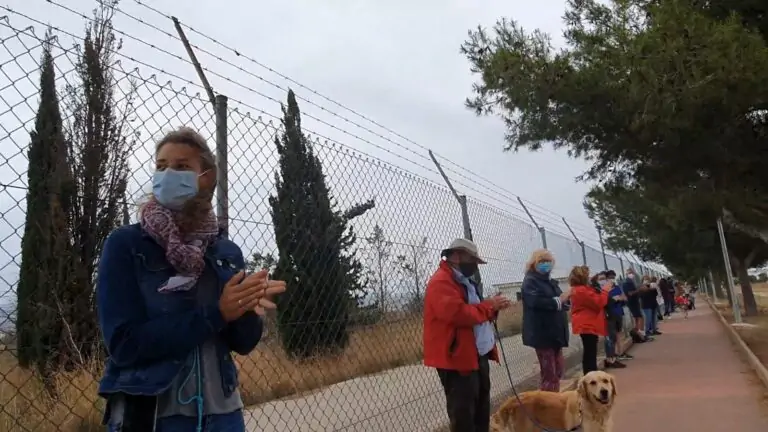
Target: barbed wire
485	182
271	99
554	221
507	198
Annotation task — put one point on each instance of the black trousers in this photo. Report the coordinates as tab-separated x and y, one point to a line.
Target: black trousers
468	398
131	413
589	356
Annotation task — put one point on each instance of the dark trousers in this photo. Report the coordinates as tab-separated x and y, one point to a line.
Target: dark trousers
468	398
589	356
669	305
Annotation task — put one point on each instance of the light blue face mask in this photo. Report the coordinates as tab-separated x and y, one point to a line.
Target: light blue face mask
173	188
544	267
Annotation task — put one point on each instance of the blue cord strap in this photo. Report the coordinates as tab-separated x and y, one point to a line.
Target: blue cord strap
197	371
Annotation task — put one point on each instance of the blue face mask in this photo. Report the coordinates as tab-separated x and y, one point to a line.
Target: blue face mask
173	188
544	267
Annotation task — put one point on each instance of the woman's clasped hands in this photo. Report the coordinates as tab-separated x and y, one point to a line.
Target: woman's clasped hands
253	292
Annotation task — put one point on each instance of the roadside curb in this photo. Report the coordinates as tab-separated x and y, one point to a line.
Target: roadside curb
742	347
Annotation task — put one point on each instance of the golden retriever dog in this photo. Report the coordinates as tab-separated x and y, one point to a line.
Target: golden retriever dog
589	406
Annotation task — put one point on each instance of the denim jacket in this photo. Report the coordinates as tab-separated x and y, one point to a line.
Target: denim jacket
148	334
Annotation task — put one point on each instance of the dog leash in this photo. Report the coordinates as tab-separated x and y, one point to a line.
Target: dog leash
517	396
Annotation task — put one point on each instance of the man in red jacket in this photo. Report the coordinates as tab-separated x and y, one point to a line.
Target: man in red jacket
458	336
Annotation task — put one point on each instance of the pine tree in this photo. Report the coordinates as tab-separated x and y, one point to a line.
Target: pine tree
314	246
46	251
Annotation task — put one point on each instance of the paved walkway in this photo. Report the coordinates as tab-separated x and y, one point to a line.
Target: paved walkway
407	398
689	378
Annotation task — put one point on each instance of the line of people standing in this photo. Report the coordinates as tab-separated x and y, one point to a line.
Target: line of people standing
459	339
597	305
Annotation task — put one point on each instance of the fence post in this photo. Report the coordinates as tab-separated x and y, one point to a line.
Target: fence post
602	245
219	103
621	264
712	285
541	229
581	243
462	199
633	265
729	273
222	164
465	217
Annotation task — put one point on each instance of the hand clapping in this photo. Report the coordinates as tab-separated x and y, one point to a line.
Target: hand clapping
243	293
499	302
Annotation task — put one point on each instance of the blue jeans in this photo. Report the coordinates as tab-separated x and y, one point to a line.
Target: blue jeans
613	324
232	422
650	321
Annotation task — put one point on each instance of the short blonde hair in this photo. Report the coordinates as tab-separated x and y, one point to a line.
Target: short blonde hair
579	276
538	256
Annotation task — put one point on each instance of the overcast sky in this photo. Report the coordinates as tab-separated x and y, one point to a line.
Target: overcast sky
395	62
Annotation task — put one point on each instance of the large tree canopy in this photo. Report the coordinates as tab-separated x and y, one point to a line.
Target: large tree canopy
668	101
652	92
677	229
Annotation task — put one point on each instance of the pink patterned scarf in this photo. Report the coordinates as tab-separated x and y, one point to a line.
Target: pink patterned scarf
184	253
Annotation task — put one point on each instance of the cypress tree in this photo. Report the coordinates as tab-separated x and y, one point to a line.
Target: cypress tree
314	245
45	247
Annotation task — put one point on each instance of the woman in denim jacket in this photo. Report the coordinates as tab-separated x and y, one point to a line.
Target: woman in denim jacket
174	301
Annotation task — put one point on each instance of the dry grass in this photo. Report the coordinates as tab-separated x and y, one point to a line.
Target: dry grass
267	374
26	406
755	337
510	321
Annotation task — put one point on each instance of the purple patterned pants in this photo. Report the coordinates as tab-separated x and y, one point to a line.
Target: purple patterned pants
551	365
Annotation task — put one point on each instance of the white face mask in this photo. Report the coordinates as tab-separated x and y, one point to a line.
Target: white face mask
603	283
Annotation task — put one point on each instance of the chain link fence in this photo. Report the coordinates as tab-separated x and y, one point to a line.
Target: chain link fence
377	383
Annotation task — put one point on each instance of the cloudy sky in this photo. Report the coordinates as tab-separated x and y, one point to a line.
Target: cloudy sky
396	62
352	63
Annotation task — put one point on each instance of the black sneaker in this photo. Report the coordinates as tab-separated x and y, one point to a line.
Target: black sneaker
626	357
657	333
614	365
